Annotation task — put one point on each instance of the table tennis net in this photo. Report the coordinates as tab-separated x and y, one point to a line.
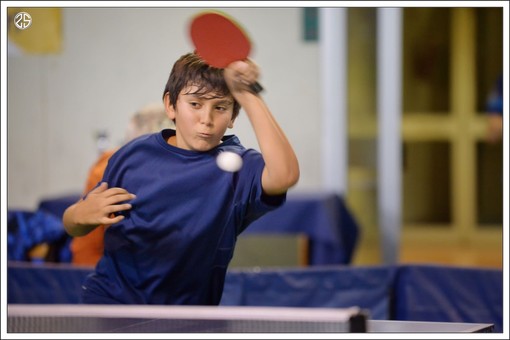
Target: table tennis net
182	319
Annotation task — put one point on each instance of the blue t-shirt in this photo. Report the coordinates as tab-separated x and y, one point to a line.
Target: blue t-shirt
175	243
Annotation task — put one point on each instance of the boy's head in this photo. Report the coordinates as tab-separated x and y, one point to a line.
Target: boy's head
191	70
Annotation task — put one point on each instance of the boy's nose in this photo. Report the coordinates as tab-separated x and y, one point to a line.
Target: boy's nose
206	116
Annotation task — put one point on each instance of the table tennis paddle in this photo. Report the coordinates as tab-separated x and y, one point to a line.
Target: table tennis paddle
219	40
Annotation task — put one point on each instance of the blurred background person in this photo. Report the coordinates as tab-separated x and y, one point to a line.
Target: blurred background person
87	250
494	107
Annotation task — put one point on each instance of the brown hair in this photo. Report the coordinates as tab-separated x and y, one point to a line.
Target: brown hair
189	70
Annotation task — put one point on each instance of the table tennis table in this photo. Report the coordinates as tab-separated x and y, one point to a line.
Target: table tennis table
213	319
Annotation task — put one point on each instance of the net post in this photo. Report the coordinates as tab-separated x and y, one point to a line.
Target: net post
358	323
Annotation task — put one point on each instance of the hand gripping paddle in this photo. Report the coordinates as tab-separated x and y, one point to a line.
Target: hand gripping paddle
219	40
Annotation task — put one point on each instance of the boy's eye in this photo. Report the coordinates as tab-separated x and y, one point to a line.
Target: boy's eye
221	108
195	104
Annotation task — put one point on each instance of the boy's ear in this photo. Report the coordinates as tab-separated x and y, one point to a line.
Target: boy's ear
169	108
231	124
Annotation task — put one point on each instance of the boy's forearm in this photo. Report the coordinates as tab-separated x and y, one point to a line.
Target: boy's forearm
72	227
282	167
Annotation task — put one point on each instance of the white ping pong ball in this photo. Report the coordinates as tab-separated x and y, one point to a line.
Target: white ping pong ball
229	161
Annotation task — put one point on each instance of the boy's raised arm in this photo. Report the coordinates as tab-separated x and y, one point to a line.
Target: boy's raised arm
281	165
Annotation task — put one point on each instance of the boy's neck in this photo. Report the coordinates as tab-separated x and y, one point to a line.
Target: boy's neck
172	140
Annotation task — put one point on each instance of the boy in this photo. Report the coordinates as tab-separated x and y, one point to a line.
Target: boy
171	244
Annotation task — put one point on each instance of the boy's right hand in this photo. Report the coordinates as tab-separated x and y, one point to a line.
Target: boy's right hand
240	74
98	208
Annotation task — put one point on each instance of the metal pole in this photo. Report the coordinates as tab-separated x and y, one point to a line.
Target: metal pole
389	151
333	68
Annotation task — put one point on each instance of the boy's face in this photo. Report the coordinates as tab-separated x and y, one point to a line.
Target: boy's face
201	119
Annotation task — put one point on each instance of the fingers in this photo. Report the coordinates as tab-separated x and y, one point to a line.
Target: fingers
247	72
117	208
116	203
112	195
101	188
118	196
241	73
112	220
101	204
107	215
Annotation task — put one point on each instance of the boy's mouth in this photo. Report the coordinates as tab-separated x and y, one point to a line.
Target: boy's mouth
204	135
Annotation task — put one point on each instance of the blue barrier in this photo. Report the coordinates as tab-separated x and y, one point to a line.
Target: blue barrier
328	287
324	218
44	283
409	292
438	293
